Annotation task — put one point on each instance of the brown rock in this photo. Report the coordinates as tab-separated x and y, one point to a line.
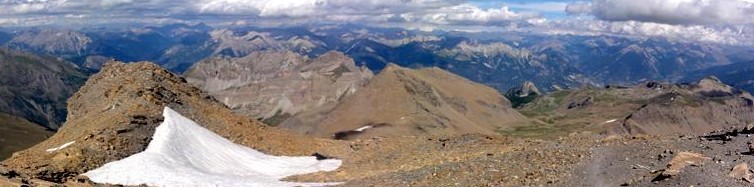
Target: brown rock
7	182
682	160
741	171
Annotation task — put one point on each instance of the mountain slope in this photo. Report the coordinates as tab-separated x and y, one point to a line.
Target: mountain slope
36	88
405	102
276	85
649	108
703	107
17	134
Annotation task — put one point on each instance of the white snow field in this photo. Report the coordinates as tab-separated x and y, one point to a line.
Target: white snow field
182	153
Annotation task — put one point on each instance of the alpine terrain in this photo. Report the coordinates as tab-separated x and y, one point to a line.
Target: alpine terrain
257	93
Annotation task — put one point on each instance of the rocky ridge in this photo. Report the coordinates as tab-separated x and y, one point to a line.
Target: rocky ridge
648	108
115	113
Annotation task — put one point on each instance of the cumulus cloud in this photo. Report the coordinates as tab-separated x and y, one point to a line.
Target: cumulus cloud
469	14
734	35
677	12
579	8
291	11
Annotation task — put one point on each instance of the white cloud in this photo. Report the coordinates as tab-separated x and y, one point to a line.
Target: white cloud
679	12
543	7
466	14
579	8
736	35
279	11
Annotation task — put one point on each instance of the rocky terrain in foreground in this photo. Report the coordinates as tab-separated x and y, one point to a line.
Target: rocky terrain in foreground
115	113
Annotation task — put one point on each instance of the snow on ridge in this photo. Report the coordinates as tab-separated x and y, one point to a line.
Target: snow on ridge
60	147
182	153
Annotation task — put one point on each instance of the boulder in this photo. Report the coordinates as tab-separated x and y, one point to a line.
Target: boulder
682	160
741	171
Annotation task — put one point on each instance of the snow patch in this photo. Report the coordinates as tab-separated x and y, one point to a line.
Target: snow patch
182	153
364	128
609	121
60	147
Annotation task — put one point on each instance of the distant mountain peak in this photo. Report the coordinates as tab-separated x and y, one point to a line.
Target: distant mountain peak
408	102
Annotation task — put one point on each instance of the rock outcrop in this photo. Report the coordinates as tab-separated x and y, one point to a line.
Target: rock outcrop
741	171
682	160
523	94
526	89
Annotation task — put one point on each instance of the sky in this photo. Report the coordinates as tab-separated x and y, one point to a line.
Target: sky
726	21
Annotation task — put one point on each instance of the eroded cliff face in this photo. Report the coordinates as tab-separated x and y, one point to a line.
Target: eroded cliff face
274	86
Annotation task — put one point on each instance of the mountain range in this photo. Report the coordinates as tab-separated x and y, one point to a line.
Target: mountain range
499	60
405	126
392	107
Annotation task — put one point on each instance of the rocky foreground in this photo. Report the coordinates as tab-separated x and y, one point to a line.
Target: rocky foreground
115	113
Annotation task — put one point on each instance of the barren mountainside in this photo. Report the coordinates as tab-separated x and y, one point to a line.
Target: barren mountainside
17	134
36	88
276	85
649	108
405	102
